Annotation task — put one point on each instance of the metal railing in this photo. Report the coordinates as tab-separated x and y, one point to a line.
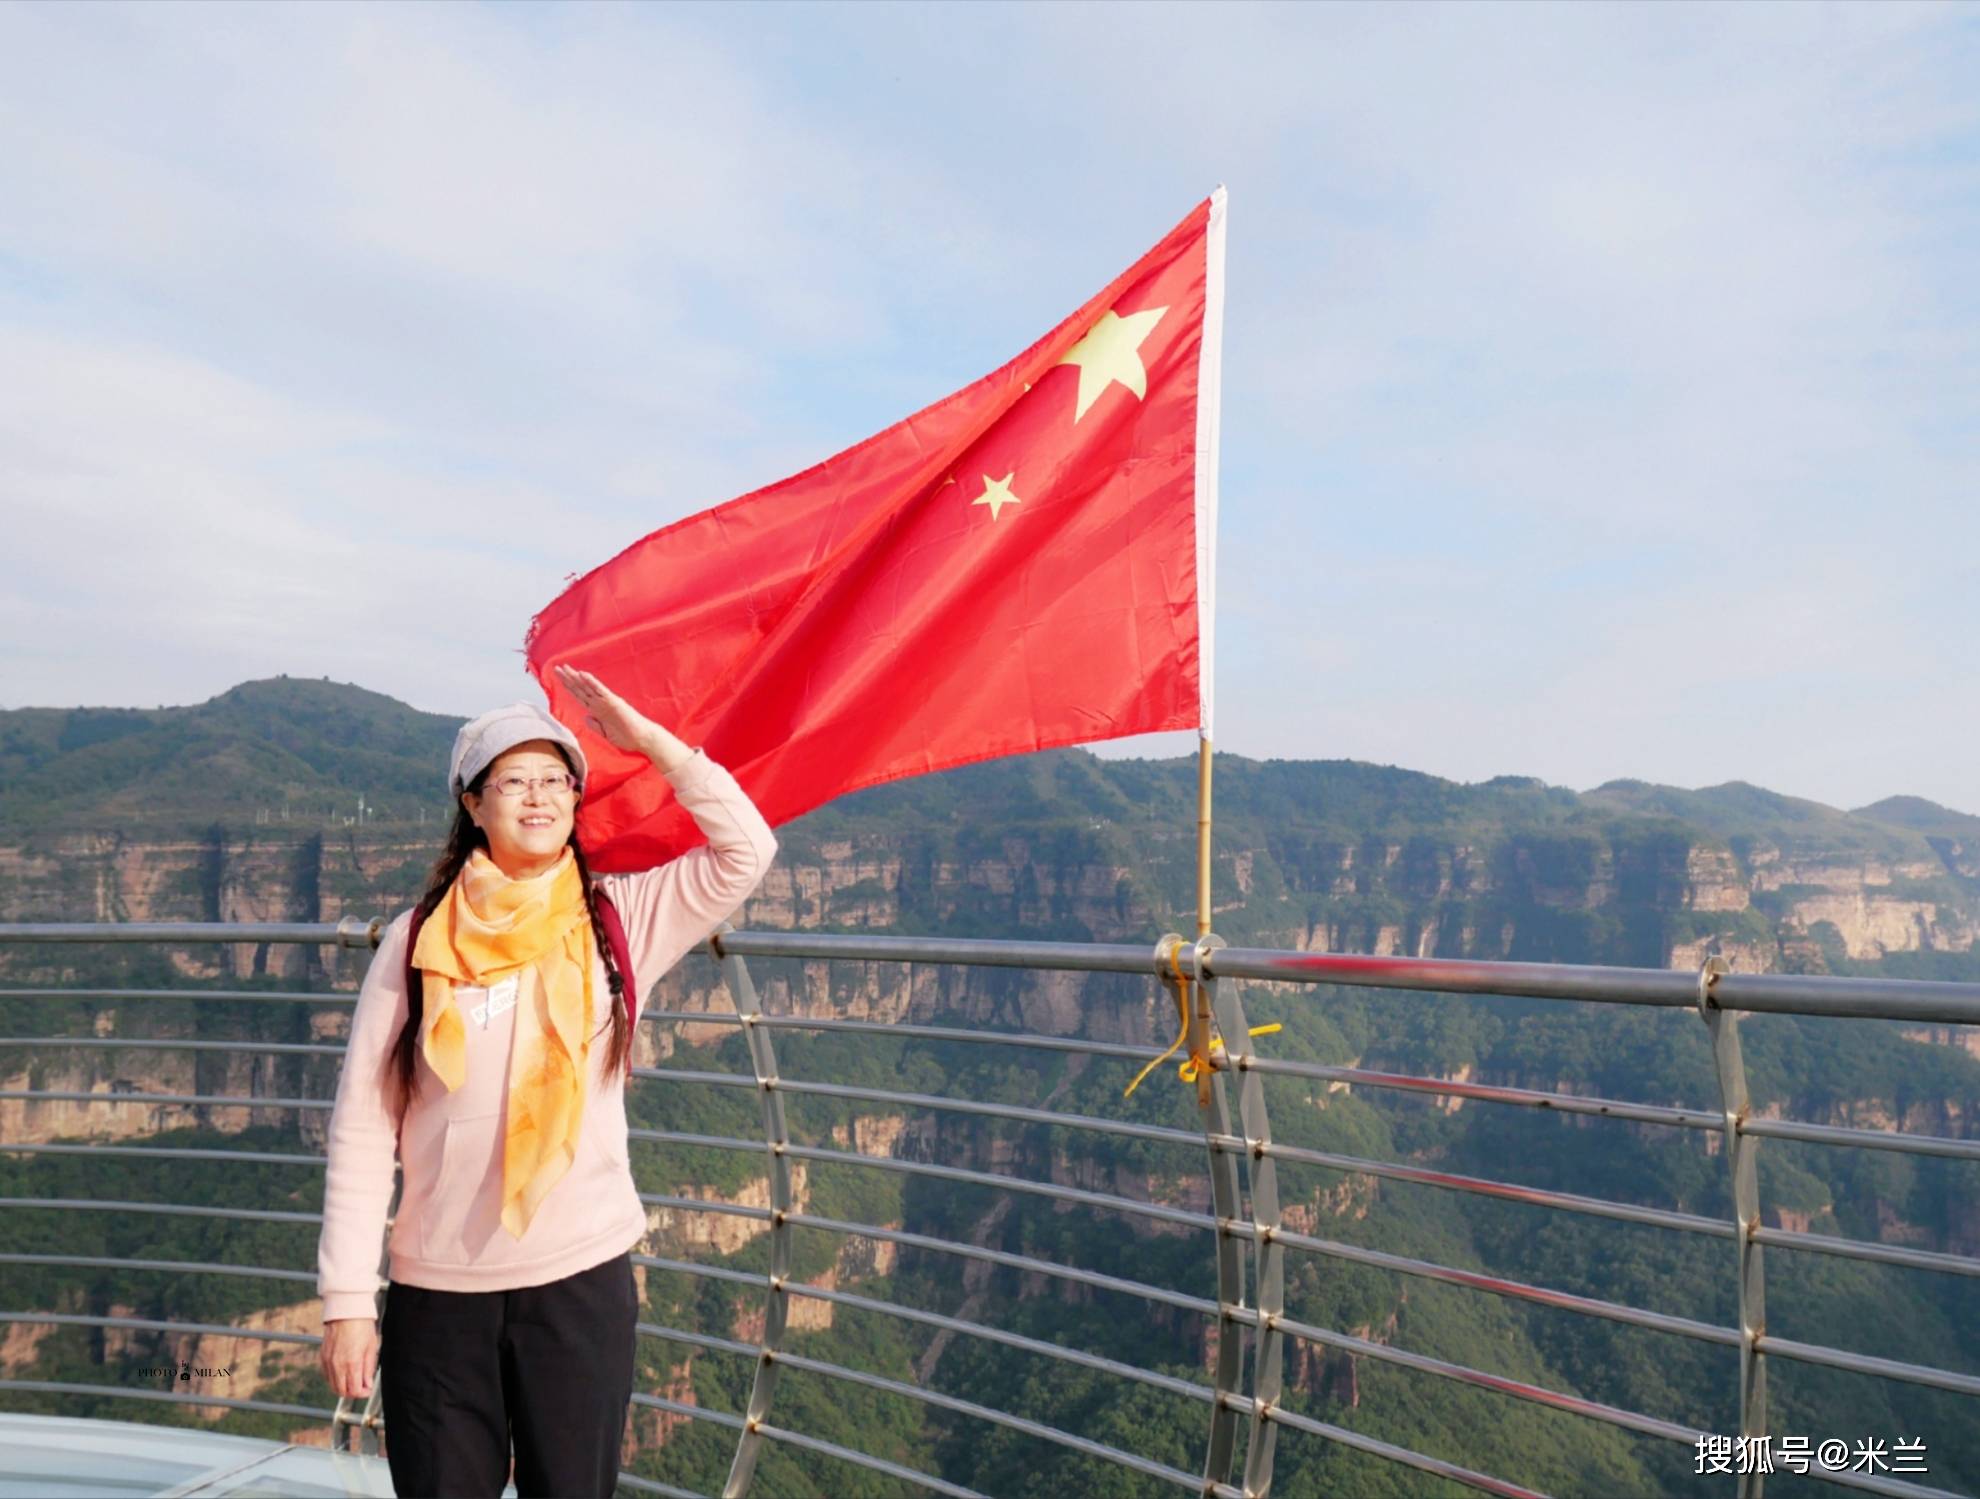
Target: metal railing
1249	1240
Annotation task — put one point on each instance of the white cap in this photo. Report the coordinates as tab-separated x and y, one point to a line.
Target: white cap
482	739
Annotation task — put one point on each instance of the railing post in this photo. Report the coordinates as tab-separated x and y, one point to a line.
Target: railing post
776	1311
1227	1369
1741	1150
1269	1255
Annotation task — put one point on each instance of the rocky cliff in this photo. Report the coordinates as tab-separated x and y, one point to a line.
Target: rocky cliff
1318	857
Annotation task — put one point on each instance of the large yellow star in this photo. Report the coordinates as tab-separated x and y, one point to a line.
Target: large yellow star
1110	352
997	493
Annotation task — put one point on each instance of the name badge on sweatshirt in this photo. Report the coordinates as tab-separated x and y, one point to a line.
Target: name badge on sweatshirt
501	997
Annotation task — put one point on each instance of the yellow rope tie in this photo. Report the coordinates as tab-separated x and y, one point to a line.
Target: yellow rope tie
1182	1021
1195	1066
1189	1071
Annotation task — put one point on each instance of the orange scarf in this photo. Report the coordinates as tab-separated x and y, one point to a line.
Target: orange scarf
487	928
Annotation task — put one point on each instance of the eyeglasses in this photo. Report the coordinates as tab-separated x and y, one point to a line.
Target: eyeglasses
556	783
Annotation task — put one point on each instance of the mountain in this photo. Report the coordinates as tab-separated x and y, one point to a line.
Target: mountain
286	748
1920	815
1330	855
316	800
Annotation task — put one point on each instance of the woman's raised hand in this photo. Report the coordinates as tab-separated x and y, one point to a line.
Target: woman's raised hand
620	723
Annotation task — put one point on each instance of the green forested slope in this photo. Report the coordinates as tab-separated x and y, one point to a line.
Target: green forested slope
1065	845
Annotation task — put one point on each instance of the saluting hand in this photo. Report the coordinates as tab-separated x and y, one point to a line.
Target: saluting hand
620	723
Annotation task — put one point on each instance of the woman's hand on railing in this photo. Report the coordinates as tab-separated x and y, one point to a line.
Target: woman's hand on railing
350	1356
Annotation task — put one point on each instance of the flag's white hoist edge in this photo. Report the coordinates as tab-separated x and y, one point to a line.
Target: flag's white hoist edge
1209	402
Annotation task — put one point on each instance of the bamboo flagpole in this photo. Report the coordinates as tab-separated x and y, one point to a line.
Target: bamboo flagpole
1203	911
1209	443
1201	1052
1195	1032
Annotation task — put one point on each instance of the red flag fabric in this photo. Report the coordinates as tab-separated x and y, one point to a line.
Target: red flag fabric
1027	563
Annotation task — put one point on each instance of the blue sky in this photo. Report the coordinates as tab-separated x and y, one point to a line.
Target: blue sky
1602	383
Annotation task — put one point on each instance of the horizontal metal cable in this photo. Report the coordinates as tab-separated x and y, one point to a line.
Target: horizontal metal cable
169	1153
1167	1135
969	952
1900	999
1375	1447
1378	1259
711	1079
1810	994
125	1392
1865	1363
1362	1347
1344	1342
1532	1098
1534	1196
1564	1103
1784	1129
1159	1132
1637	986
916	1032
188	1098
1835	1358
257	1215
698	1339
692	1412
1859	1249
1167	1382
1867	1139
326	996
1600	1207
1083	1445
1587	1306
707	1205
707	1272
173	1043
1784	994
824	1448
908	1240
654	1486
1568	1103
350	932
1101	1200
176	1267
78	1319
1518	1389
950	1402
1849	998
810	1444
1518	1290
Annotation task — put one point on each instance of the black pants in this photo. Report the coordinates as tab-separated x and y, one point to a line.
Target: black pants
552	1366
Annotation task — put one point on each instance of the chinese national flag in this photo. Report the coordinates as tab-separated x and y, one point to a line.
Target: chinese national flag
1025	564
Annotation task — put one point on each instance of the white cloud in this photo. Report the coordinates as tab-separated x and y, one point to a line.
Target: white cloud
1583	363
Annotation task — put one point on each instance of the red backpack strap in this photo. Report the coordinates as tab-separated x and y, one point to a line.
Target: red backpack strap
615	938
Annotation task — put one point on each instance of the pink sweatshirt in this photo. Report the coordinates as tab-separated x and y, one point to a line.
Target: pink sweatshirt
448	1233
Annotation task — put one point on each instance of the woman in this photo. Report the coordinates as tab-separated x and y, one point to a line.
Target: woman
500	1081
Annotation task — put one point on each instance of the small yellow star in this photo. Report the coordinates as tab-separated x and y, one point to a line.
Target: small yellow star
1110	352
997	494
